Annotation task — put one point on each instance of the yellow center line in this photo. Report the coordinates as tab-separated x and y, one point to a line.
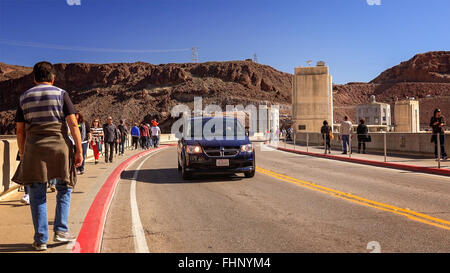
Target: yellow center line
416	216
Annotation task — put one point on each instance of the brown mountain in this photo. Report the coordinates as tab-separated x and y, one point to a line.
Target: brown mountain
426	76
427	67
142	91
8	71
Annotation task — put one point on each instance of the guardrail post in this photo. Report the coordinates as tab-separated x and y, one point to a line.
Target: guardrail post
307	142
324	137
385	146
438	142
350	145
295	133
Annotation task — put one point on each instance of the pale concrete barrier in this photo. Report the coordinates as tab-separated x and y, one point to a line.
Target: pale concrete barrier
8	162
414	144
167	138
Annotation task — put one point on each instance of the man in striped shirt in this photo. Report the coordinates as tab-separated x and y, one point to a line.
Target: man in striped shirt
44	115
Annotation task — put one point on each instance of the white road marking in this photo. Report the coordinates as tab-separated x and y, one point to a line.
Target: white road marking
140	243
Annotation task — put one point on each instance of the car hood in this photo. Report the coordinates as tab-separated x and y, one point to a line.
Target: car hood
218	143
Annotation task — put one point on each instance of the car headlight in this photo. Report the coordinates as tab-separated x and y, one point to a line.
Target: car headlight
247	148
193	149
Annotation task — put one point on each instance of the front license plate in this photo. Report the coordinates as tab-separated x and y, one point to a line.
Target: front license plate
222	162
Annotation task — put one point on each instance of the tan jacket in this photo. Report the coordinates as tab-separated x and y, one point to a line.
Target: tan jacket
48	154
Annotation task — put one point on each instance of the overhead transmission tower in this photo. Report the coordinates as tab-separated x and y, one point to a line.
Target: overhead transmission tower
255	58
194	54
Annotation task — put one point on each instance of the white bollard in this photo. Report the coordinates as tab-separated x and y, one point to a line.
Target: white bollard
385	147
350	145
294	139
438	141
307	142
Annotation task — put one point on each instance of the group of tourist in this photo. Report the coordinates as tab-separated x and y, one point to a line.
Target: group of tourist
145	135
112	137
362	131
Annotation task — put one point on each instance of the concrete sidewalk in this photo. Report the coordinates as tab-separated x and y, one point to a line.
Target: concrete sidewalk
16	227
399	159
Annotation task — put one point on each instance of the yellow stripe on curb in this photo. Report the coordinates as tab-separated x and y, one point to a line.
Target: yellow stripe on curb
415	216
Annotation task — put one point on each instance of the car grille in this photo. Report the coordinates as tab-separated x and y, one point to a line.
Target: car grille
222	151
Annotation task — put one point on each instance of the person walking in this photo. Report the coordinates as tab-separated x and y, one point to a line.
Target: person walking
123	136
326	132
362	132
135	134
144	136
116	143
46	152
96	138
437	123
156	132
149	138
84	139
110	137
345	134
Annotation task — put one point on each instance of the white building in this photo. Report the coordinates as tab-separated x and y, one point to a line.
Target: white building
375	113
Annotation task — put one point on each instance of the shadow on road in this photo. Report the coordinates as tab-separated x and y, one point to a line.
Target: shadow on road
173	176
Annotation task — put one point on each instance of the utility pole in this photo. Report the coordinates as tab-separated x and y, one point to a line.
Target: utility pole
255	58
194	54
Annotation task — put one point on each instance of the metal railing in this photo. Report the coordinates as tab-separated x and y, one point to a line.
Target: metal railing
380	146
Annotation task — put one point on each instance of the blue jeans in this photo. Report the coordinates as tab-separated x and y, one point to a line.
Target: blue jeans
84	145
155	141
38	205
149	142
122	147
345	142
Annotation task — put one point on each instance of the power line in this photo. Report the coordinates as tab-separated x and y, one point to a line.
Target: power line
91	49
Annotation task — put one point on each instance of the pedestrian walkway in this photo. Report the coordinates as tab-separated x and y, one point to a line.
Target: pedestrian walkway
16	227
398	159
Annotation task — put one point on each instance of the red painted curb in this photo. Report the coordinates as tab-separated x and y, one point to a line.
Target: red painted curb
90	236
399	166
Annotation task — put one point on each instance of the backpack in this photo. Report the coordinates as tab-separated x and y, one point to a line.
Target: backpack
331	134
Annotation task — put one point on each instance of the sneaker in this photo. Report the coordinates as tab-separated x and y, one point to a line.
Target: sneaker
63	237
96	162
52	188
25	199
39	246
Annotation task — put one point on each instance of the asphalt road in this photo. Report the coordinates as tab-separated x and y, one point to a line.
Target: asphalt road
294	203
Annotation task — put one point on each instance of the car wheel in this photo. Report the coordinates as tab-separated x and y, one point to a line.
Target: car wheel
249	174
185	174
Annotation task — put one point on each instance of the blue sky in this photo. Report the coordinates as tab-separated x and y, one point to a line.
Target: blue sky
358	41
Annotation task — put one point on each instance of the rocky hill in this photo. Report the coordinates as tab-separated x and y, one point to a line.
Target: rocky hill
426	77
428	67
8	71
142	91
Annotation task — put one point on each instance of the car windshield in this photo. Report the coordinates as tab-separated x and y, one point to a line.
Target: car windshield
215	128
